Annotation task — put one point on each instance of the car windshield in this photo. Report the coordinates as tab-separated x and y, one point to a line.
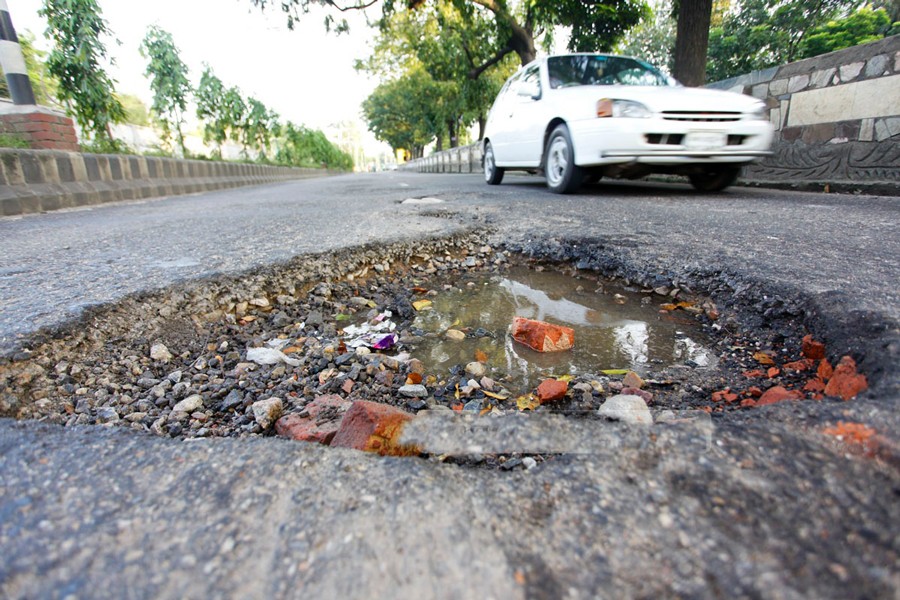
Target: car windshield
588	69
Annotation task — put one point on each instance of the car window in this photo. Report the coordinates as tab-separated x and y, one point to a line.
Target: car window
529	79
589	69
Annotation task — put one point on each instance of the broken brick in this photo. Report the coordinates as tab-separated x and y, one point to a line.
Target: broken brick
632	380
799	365
778	394
773	372
374	427
846	383
754	374
724	396
319	423
551	390
825	370
541	336
812	349
814	385
630	391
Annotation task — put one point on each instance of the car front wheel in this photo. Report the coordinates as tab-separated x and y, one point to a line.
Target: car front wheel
563	175
714	179
492	173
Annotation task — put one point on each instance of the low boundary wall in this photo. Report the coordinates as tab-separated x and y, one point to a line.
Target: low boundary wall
837	121
33	181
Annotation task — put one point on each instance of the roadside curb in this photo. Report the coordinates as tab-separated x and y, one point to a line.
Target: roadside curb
34	181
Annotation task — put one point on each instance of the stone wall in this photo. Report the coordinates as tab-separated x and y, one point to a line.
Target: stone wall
837	116
837	120
42	180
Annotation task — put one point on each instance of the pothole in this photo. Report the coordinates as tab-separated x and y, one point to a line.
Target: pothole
185	362
615	329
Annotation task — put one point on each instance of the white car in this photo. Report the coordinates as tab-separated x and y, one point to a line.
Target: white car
580	117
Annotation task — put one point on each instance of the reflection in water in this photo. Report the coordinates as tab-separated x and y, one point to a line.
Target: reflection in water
607	335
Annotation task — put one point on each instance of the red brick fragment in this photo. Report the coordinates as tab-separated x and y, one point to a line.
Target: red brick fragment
541	336
374	427
846	383
724	396
778	394
320	424
754	374
630	391
814	385
773	372
551	390
825	370
799	365
812	349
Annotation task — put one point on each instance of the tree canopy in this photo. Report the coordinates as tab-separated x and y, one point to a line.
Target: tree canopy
76	29
169	82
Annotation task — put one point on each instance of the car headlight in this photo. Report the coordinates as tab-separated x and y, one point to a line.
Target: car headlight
622	108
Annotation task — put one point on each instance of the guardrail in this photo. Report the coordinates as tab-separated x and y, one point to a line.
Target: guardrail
33	181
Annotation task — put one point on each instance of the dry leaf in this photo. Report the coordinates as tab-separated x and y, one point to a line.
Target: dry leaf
421	304
764	358
529	402
481	356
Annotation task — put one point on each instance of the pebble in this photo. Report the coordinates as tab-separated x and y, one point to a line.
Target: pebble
476	369
266	412
455	334
159	352
628	409
189	404
413	391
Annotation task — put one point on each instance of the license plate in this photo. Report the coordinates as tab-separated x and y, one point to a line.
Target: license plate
705	140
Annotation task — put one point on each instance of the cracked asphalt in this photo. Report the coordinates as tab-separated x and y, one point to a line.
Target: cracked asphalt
764	506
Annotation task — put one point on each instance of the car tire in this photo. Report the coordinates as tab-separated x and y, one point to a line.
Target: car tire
714	179
563	175
493	174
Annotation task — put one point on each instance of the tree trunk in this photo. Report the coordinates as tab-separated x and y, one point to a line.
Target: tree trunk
439	144
451	130
522	43
482	121
692	42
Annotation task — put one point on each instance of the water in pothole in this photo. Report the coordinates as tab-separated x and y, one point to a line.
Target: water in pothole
608	334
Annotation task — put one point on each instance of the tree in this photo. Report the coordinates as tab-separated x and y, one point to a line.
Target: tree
439	40
400	112
169	82
212	110
863	26
653	39
763	33
76	28
691	41
303	147
594	25
136	111
259	126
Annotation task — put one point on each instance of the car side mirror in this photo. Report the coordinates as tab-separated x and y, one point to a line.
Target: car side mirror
530	89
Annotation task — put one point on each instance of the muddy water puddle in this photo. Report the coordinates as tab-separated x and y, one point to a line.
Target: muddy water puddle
613	329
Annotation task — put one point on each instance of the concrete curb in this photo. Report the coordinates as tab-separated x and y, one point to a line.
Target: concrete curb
34	181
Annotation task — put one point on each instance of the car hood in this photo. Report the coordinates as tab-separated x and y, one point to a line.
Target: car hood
659	99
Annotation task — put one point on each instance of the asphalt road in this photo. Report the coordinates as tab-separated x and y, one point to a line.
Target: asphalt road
764	507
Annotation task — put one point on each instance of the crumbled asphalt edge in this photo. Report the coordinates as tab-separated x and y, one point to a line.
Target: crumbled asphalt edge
774	319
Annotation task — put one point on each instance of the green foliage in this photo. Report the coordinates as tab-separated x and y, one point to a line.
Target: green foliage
76	28
169	82
863	26
259	126
402	112
762	33
653	39
44	85
303	147
596	26
136	111
211	109
10	140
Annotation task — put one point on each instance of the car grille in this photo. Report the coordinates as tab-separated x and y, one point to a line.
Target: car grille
701	115
675	139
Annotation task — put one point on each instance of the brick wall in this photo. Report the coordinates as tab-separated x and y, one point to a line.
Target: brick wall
43	130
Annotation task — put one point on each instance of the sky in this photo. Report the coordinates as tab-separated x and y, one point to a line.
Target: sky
305	75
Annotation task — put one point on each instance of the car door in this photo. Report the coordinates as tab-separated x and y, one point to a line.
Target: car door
525	121
497	128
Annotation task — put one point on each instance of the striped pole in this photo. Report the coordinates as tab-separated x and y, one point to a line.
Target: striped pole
12	61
